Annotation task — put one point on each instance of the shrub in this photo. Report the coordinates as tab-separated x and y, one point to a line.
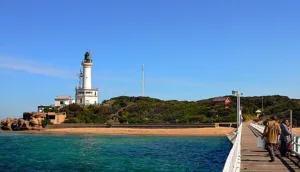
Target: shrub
136	110
46	122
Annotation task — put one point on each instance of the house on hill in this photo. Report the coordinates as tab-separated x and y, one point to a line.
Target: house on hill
222	101
42	108
63	100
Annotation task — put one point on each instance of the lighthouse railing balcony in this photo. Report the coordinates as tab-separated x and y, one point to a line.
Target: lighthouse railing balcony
93	89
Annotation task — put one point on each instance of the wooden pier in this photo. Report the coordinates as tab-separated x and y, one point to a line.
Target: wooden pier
257	159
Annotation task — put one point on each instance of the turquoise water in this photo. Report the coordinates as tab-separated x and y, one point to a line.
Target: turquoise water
36	152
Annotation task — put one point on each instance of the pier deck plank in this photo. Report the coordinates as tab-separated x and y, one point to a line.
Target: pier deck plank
257	159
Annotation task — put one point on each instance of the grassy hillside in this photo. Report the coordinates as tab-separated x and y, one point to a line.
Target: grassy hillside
152	111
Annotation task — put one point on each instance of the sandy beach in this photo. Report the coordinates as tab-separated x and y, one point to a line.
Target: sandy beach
218	131
296	131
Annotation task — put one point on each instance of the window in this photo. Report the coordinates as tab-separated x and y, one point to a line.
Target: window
50	116
95	102
88	92
80	100
80	92
62	102
95	93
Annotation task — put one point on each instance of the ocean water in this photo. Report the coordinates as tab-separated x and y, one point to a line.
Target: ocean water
49	152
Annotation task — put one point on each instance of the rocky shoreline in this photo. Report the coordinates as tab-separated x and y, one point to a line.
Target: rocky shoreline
30	121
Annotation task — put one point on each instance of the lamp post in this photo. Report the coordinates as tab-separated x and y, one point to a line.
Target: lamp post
262	103
239	113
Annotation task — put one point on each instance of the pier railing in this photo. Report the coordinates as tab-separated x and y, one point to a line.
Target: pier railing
295	144
233	161
295	138
258	127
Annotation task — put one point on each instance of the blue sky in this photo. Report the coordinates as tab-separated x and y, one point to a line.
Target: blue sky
191	49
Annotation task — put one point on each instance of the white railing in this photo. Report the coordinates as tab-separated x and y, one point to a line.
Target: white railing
295	138
258	127
296	144
233	161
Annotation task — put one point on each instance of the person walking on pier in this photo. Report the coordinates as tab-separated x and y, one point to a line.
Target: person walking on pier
265	123
271	132
285	137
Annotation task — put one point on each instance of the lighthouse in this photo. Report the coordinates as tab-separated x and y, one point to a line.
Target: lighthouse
85	94
87	64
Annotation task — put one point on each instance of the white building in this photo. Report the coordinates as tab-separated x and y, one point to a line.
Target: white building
85	94
63	100
41	108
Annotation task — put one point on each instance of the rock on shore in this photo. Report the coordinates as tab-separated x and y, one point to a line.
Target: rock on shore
32	122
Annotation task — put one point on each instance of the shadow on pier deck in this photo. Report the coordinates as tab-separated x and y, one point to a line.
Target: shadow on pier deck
257	159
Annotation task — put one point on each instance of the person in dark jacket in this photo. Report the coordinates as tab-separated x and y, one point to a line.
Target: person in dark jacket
285	137
265	123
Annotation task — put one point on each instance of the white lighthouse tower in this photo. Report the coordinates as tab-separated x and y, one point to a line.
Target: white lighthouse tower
85	94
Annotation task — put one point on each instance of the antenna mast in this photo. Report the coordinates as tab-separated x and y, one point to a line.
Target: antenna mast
80	75
143	81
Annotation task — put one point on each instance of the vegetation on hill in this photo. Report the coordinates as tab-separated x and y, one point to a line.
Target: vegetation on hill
148	110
